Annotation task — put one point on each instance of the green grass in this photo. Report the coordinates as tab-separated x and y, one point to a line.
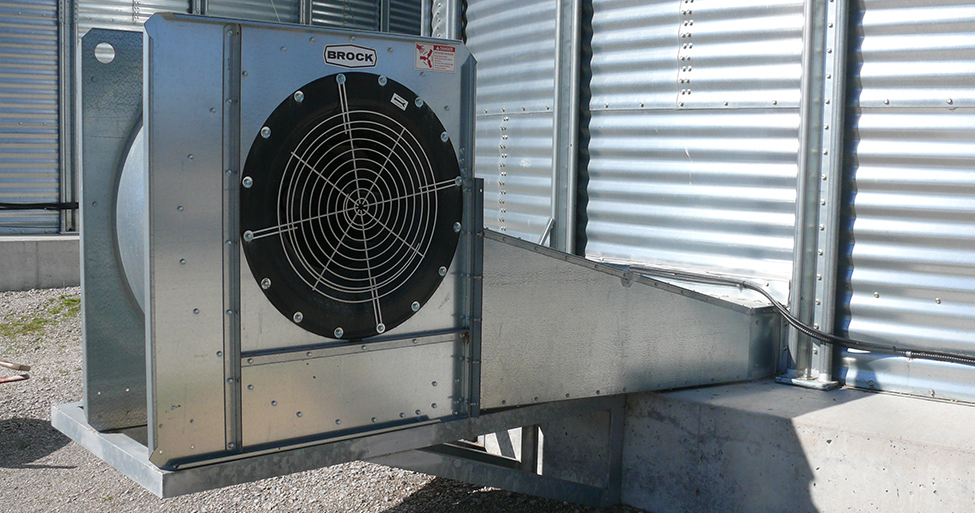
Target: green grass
57	309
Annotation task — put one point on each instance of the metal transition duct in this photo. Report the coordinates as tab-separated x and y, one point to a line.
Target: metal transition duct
284	268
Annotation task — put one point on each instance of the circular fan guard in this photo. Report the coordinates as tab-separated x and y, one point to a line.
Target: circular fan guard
349	200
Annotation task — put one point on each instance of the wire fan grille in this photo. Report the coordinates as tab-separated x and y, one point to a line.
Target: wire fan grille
364	204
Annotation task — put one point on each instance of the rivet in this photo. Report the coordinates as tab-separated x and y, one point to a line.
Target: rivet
886	102
950	101
298	414
213	111
825	152
415	306
775	102
230	380
443	271
248	235
274	403
299	96
434	383
402	415
228	242
433	405
380	328
374	419
182	261
338	332
876	294
820	252
250	360
822	227
419	102
444	137
250	387
298	317
266	283
382	80
219	353
456	227
284	49
824	178
190	156
417	412
180	208
265	132
937	300
247	182
230	445
818	302
338	421
340	78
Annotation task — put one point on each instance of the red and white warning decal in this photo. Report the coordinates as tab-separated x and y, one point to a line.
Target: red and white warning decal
435	57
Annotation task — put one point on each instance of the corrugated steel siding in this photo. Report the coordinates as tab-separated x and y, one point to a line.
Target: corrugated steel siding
908	241
514	44
707	189
911	229
283	11
514	156
685	180
404	17
29	168
352	14
915	53
123	14
667	54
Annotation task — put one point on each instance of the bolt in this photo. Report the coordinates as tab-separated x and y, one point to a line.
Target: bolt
298	317
248	235
248	182
266	283
340	78
443	271
419	102
444	137
299	96
380	328
265	132
457	227
415	306
338	332
382	80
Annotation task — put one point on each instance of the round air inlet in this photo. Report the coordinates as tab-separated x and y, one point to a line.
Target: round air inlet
350	205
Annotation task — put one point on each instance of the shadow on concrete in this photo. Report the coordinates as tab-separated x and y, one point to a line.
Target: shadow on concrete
24	441
448	496
725	448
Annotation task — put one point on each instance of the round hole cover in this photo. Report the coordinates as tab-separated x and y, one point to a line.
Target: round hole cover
352	206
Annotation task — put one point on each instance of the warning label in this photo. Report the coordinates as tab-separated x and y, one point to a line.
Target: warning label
434	57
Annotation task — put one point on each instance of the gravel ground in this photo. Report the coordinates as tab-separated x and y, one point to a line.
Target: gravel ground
41	470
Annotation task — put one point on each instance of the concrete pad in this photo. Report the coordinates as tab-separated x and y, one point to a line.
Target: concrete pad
769	447
39	262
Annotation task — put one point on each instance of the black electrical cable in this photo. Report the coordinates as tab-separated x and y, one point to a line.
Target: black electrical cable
923	354
39	206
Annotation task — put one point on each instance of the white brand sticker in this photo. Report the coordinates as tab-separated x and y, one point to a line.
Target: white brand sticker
399	101
350	56
435	57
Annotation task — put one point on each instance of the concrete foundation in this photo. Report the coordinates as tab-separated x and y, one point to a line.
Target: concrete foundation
39	262
768	447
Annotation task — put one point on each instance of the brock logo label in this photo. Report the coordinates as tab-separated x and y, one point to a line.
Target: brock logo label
350	56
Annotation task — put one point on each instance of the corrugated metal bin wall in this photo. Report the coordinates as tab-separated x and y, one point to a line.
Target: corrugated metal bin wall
694	135
29	160
514	44
909	224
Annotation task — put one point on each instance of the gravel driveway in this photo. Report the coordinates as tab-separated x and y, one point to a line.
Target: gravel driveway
41	470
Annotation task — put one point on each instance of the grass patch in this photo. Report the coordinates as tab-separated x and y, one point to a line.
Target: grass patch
56	309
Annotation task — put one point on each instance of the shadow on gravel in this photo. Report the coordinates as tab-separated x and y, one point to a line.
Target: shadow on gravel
23	441
448	496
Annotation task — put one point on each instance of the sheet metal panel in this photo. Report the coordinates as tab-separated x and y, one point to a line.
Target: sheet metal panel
910	229
914	53
665	54
712	190
513	154
514	44
352	14
29	163
281	11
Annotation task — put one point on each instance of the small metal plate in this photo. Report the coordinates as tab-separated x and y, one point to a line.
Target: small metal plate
332	392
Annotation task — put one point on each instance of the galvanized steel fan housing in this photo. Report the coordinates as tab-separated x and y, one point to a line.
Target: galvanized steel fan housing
350	205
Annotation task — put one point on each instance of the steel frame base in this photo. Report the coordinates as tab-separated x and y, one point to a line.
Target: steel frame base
412	448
